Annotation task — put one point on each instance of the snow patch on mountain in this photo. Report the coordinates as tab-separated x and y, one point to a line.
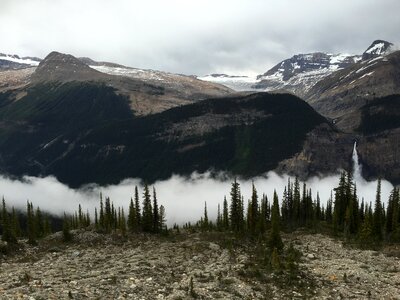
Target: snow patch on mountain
131	72
29	61
237	83
301	72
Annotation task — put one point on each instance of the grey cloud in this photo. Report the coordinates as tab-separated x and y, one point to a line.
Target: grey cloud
195	37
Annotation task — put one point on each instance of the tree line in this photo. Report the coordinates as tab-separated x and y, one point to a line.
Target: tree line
344	214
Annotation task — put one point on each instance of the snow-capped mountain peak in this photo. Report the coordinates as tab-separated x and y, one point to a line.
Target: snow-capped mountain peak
377	48
300	72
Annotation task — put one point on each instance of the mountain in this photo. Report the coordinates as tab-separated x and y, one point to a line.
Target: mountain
377	48
86	121
148	91
300	72
15	71
340	95
84	133
14	62
59	67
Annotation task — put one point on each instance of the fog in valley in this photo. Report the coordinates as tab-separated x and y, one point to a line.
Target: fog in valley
183	198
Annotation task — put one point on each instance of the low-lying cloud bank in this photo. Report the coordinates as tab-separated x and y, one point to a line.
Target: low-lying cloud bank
183	198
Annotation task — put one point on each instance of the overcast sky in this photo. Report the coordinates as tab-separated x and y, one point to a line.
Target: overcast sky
195	37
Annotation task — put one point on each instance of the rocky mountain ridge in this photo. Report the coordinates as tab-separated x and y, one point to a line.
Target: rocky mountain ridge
340	95
148	91
301	72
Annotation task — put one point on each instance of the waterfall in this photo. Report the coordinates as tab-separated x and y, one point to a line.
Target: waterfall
356	165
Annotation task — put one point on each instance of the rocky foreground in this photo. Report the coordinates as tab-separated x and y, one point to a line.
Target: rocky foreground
187	266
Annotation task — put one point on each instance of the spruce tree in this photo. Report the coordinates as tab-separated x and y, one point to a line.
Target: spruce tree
296	203
102	223
147	215
96	220
205	224
156	218
275	240
132	217
366	235
16	227
262	220
235	209
30	224
7	235
253	212
137	210
225	215
377	219
67	236
219	218
123	222
39	224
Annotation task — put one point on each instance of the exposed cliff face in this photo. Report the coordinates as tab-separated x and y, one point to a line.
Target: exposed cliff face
325	151
378	143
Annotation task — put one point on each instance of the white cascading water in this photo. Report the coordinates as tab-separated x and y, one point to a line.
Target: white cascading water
356	165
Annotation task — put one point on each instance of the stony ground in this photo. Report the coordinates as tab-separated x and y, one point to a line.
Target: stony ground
148	267
349	273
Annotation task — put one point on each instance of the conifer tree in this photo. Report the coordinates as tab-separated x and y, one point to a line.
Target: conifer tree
80	217
16	227
205	224
123	222
7	235
102	223
39	224
328	212
132	217
156	218
108	214
67	237
275	240
137	209
395	218
318	212
30	224
262	220
285	207
147	215
377	219
96	220
225	215
296	202
253	211
366	235
219	218
236	207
